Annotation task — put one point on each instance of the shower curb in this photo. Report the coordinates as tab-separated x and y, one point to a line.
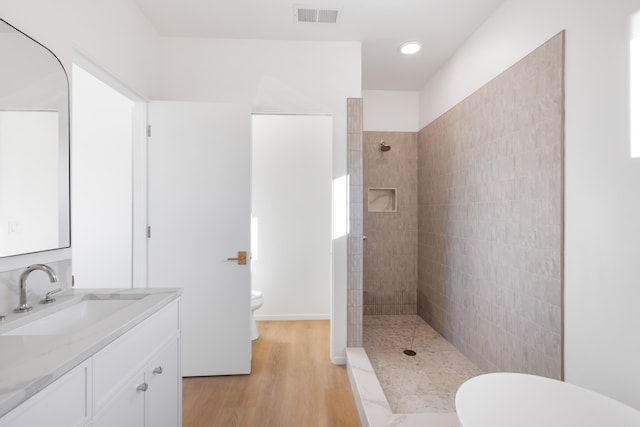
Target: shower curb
372	403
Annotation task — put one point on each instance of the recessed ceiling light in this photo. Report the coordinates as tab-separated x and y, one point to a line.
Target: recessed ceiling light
409	48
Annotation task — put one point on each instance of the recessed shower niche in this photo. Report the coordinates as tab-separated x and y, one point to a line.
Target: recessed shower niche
382	200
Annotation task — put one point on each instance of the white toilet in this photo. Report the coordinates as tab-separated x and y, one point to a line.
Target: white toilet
256	303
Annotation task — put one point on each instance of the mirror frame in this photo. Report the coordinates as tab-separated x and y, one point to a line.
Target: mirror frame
64	159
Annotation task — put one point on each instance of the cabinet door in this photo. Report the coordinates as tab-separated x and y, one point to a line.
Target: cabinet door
165	387
63	403
127	408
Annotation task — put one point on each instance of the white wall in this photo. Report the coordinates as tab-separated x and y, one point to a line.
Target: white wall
602	182
390	111
112	33
101	184
275	77
291	203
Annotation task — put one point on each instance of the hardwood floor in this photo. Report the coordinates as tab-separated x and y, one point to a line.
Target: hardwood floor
292	383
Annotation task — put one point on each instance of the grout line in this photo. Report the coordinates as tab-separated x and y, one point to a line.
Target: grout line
413	333
405	370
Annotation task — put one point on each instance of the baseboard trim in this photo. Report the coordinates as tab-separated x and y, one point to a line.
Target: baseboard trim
292	317
339	360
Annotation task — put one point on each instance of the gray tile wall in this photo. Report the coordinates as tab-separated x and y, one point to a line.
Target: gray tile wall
490	219
391	249
354	239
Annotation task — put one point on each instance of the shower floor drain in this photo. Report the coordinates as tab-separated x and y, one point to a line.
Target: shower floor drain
409	352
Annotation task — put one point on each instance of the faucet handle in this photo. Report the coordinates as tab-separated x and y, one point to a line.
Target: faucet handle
48	299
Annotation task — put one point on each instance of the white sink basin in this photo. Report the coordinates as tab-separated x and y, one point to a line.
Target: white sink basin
74	318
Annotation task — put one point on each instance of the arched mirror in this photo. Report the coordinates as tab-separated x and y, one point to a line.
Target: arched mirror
34	146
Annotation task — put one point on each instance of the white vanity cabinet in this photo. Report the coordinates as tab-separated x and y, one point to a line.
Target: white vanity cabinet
135	381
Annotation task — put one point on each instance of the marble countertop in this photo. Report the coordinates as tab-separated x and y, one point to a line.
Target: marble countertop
28	363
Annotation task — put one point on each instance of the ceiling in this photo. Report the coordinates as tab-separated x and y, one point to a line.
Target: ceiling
380	25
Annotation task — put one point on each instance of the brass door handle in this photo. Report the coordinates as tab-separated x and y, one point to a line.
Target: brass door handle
242	258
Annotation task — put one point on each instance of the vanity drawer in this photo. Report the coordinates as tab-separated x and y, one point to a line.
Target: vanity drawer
114	365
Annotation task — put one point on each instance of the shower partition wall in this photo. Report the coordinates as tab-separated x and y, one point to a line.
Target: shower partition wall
355	236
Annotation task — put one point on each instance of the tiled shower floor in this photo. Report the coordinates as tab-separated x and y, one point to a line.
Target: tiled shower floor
424	383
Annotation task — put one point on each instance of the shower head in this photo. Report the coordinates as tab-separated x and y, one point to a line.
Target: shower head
384	146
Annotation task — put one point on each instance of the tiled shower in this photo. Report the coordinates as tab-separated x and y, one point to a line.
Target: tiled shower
390	250
474	244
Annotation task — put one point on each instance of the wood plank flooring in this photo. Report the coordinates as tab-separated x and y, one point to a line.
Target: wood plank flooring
292	383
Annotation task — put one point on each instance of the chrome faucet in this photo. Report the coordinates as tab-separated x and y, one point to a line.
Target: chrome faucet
23	284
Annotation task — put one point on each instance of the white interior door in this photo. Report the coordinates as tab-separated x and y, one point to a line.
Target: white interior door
199	213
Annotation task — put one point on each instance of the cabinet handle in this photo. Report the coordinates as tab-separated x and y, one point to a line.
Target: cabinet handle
158	370
143	387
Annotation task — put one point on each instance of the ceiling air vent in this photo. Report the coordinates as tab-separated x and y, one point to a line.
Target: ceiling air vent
315	15
327	16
